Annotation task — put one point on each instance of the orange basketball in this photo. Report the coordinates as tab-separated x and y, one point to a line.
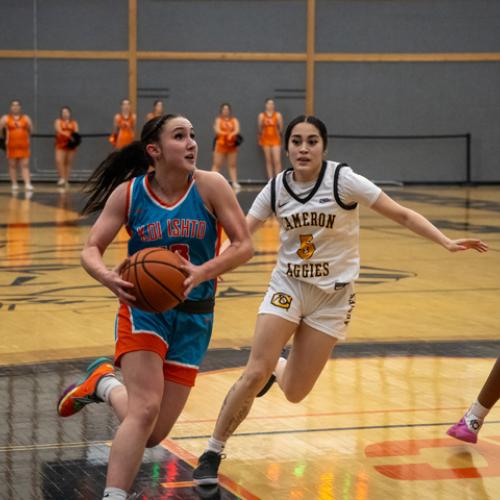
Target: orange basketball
157	278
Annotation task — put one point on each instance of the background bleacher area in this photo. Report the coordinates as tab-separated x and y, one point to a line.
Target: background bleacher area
399	68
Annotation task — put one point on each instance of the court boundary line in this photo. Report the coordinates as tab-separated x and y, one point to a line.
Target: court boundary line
191	459
330	429
330	414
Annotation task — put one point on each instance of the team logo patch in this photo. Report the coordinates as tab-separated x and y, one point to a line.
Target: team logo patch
282	300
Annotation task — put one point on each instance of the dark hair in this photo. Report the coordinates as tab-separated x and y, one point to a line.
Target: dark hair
122	165
15	100
225	104
313	120
268	99
157	102
63	108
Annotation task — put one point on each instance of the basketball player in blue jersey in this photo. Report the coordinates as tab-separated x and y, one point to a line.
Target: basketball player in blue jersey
311	293
181	208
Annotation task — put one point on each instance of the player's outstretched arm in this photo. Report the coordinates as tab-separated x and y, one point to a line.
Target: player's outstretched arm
417	223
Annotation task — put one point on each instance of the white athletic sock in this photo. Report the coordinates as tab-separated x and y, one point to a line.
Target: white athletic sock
105	386
215	445
475	416
111	493
478	410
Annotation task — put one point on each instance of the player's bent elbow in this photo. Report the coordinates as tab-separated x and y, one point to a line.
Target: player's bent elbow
84	258
245	250
249	250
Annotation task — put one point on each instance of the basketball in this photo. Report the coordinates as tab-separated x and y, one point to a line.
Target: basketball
157	278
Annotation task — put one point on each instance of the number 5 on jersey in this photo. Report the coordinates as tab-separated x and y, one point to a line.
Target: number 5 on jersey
307	248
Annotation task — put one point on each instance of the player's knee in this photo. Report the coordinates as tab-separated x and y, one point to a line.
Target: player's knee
146	414
295	394
255	377
158	435
152	442
155	440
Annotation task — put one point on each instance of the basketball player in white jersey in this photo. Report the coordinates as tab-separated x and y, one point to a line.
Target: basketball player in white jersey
311	293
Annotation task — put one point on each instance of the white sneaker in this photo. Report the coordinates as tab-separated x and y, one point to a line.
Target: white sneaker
15	186
61	182
28	187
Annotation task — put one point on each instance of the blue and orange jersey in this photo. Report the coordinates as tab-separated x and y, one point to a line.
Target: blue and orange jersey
186	226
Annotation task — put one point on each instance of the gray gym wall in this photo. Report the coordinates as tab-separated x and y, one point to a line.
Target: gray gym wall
412	98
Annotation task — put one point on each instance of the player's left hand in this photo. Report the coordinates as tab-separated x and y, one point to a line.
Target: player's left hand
196	275
466	244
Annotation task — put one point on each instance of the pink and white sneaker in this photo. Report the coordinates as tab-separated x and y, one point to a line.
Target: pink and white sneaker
465	431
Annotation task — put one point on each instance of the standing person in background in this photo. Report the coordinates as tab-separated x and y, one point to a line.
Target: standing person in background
65	128
18	129
123	126
270	124
157	110
469	426
227	130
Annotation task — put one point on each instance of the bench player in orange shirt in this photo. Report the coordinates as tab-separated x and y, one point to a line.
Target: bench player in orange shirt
123	126
270	124
157	111
19	128
65	127
226	128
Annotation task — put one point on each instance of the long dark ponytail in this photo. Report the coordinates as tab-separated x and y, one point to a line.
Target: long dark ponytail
121	165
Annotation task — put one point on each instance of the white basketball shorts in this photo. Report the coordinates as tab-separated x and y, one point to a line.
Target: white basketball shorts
298	301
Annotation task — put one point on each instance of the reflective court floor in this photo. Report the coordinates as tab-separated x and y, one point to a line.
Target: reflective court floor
424	335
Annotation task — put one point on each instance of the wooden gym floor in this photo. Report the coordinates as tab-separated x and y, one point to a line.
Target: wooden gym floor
424	336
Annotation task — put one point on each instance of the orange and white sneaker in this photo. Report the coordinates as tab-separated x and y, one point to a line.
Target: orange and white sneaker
77	396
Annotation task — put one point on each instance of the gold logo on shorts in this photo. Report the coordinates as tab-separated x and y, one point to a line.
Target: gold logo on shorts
280	299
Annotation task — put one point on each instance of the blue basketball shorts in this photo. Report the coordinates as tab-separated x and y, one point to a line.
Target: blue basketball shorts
181	339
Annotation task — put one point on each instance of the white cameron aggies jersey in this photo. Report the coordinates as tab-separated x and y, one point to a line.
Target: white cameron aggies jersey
319	223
